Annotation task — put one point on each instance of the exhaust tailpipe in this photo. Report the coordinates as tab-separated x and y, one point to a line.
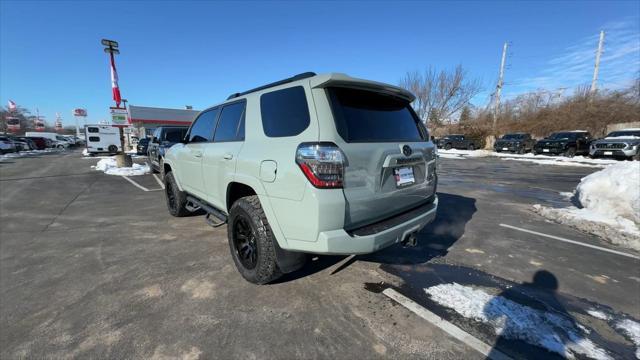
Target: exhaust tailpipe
411	240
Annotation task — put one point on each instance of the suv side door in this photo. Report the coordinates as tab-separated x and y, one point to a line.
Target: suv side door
220	156
152	150
189	155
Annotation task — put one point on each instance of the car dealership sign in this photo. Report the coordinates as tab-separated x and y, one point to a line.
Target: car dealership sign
119	116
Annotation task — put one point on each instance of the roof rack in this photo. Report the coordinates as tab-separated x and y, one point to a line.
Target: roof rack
285	81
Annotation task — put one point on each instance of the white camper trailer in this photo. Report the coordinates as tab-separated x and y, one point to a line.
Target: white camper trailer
102	139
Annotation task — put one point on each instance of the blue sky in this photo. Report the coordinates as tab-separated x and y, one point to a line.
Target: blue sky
196	53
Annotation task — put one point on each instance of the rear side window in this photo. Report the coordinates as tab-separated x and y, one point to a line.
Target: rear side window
93	129
202	128
284	112
367	116
175	135
231	124
94	138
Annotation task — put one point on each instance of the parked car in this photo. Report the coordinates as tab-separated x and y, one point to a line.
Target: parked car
142	146
325	164
20	144
458	141
515	142
621	144
6	145
32	145
163	138
567	143
39	142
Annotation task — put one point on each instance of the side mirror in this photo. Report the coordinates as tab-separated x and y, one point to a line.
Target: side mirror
155	140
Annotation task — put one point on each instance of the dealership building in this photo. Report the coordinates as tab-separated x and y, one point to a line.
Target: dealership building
144	120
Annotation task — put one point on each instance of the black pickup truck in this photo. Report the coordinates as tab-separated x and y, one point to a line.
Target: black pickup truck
458	141
163	138
515	142
567	143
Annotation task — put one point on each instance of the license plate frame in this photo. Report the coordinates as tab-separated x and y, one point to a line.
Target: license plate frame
404	176
505	149
608	153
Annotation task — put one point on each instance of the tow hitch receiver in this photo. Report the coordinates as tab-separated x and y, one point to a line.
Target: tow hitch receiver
411	240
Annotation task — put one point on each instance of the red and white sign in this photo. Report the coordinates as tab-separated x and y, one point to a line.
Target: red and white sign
13	124
38	124
80	112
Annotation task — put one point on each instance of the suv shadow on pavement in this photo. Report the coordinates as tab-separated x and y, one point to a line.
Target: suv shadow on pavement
454	212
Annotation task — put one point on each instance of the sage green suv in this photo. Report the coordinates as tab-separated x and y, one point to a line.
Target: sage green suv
320	164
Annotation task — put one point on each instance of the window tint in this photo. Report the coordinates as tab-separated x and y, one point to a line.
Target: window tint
284	112
367	116
94	138
230	122
93	129
202	128
175	135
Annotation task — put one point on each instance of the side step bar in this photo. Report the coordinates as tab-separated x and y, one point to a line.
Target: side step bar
194	204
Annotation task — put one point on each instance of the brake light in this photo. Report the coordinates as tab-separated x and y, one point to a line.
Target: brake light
322	164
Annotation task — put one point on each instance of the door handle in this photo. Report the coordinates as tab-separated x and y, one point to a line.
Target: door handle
228	156
197	154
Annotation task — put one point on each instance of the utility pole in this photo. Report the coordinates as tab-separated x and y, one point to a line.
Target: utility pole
596	69
499	85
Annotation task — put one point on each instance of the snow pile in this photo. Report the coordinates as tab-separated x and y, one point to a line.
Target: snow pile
538	159
598	314
24	153
610	200
110	167
550	330
632	330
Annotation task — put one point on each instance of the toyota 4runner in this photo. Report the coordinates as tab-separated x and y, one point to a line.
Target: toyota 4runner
322	164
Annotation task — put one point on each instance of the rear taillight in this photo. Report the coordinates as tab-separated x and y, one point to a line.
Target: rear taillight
322	164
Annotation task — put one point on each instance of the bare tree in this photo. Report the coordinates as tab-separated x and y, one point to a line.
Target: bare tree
440	95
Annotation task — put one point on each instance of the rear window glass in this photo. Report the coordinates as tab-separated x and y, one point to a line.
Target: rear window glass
284	112
366	116
175	135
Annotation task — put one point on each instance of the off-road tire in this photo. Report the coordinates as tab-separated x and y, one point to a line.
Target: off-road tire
112	149
176	199
522	151
266	268
571	152
471	147
447	146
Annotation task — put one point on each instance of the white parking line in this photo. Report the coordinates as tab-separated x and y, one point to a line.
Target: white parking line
446	326
158	180
572	241
135	184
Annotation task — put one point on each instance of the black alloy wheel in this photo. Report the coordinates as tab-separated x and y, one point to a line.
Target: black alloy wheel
244	241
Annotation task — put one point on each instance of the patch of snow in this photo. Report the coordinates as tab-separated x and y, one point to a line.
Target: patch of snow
550	330
610	200
25	153
539	159
566	194
110	167
85	152
631	329
598	314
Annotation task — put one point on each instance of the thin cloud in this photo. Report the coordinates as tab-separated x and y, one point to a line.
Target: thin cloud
619	64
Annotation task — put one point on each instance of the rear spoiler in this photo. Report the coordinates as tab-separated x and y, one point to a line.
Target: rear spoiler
342	80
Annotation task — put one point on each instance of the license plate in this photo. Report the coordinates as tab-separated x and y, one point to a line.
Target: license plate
404	176
505	149
608	152
545	150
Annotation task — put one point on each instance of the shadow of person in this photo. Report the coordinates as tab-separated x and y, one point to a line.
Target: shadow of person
533	312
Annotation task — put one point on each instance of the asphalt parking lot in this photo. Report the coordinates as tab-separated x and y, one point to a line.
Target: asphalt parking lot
92	265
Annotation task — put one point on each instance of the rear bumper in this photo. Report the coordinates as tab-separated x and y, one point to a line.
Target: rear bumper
553	150
370	238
